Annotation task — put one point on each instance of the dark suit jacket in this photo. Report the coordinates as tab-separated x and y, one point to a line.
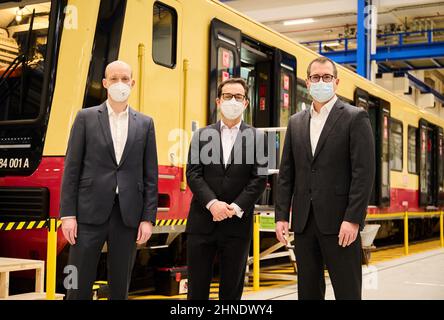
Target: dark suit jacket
338	179
240	182
92	173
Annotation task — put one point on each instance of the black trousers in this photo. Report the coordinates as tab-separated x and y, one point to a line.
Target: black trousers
85	254
315	250
233	255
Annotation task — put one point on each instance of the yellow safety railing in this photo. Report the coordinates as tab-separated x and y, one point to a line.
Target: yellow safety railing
256	252
51	258
441	227
370	217
406	233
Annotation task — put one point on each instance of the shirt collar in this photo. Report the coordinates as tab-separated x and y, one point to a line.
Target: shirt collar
326	108
223	125
111	111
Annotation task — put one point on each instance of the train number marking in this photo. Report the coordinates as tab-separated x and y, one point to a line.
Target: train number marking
14	163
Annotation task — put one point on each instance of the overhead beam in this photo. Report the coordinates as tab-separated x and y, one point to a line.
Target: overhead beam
389	70
437	63
392	53
425	88
409	65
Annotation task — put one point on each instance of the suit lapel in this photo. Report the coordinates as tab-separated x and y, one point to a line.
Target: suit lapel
335	114
132	130
106	130
306	134
221	153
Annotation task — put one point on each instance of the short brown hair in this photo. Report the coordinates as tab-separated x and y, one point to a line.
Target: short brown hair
232	81
322	60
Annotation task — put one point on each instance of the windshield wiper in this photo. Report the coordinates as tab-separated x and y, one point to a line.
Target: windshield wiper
20	59
24	64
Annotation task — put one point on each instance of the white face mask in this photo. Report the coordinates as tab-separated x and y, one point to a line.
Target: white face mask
322	91
119	91
232	109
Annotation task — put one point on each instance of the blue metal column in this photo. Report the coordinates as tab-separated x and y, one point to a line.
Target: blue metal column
362	40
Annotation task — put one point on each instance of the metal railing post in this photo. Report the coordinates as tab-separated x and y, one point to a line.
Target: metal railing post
256	252
51	259
441	227
406	233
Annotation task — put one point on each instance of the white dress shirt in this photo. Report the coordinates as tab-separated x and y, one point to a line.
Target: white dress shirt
118	123
228	137
318	120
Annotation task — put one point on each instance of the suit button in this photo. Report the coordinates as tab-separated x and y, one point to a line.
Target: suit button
309	191
313	170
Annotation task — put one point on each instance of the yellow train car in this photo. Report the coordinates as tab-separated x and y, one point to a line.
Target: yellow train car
52	60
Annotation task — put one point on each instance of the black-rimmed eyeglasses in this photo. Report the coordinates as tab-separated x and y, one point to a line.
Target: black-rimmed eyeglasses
228	96
325	78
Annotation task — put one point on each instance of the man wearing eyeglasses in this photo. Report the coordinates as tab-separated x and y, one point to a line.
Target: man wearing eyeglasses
326	178
224	173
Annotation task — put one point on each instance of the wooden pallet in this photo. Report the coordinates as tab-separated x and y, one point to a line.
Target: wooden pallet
8	265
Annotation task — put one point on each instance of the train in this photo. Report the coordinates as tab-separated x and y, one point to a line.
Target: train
52	60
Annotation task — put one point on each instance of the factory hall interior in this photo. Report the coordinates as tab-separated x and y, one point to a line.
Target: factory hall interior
245	151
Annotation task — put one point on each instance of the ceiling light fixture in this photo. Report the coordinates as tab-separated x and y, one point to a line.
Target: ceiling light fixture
333	44
298	21
19	15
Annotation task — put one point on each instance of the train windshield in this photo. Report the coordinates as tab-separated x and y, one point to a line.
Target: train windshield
23	51
30	33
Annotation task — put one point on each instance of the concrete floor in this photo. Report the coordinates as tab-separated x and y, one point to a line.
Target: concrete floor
419	276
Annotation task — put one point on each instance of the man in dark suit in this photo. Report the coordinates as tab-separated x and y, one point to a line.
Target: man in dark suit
109	187
326	177
226	172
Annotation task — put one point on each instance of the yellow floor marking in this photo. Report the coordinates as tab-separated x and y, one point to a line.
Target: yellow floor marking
393	253
376	256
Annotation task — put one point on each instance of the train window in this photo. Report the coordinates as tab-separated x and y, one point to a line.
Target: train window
362	98
164	35
286	85
412	150
396	145
105	50
225	64
23	59
303	98
256	68
251	81
385	163
30	34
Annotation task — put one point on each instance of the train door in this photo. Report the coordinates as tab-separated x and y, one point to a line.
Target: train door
256	68
269	72
431	188
285	101
225	47
285	84
379	113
